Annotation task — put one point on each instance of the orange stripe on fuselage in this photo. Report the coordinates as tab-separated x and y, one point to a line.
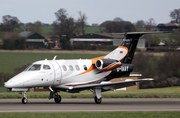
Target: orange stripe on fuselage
89	70
87	82
92	65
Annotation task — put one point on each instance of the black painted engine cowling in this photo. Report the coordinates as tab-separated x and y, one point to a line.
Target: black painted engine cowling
107	64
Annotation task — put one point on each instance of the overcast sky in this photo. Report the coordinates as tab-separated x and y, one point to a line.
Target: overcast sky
97	11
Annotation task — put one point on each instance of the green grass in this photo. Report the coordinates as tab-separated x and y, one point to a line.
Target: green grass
11	60
169	92
46	30
162	35
93	29
93	115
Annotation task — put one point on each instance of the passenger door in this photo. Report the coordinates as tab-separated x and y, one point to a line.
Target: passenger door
57	73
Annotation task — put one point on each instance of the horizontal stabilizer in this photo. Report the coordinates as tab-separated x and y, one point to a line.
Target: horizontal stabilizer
136	34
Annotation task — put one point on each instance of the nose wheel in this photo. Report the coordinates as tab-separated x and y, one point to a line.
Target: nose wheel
24	99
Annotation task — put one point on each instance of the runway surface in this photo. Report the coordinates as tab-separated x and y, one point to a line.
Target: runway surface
88	105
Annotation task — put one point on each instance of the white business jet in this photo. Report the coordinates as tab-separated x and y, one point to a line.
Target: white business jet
76	75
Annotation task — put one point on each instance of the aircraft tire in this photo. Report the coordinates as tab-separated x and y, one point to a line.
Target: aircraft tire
57	99
97	101
24	100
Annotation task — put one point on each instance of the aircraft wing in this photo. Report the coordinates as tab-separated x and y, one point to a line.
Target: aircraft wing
104	85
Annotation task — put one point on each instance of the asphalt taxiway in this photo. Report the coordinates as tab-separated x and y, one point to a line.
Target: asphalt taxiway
88	105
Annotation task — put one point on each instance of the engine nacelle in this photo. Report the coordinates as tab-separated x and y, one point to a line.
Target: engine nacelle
107	64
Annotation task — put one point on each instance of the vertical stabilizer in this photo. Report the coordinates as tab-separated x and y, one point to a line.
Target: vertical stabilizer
125	52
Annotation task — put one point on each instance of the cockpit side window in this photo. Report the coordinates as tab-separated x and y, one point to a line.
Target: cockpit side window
27	68
35	67
46	67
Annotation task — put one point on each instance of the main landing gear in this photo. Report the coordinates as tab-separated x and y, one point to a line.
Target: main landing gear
98	100
97	95
56	96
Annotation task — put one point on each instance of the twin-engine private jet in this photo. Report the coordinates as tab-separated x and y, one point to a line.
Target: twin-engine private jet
76	75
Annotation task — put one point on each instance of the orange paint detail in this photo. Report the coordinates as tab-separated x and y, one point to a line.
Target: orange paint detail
89	70
95	59
111	67
125	49
86	82
92	66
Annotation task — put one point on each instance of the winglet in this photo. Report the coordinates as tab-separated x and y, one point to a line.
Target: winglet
54	57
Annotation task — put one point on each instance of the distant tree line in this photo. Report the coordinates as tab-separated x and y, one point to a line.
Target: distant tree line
13	41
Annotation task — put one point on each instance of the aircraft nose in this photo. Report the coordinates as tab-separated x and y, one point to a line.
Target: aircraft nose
12	83
8	84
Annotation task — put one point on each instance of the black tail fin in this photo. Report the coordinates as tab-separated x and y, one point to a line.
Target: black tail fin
125	52
130	41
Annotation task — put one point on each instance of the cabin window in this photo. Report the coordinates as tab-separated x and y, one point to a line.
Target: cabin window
77	67
64	68
46	67
85	67
70	68
35	67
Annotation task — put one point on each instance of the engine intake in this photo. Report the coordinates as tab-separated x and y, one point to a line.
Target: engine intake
107	64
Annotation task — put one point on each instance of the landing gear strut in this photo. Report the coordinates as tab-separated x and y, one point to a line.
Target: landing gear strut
24	99
97	95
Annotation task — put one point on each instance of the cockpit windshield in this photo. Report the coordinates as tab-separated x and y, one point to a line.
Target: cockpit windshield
35	67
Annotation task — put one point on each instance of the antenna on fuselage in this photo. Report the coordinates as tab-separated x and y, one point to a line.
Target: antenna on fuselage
54	57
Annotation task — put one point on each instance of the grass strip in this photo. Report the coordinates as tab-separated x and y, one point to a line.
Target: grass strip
93	115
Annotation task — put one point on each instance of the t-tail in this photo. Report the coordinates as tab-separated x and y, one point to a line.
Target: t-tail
120	59
125	52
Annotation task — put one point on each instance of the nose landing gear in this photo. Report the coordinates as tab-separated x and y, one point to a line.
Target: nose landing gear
24	99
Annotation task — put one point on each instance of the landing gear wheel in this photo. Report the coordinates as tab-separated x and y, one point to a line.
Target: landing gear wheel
24	100
97	100
57	98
